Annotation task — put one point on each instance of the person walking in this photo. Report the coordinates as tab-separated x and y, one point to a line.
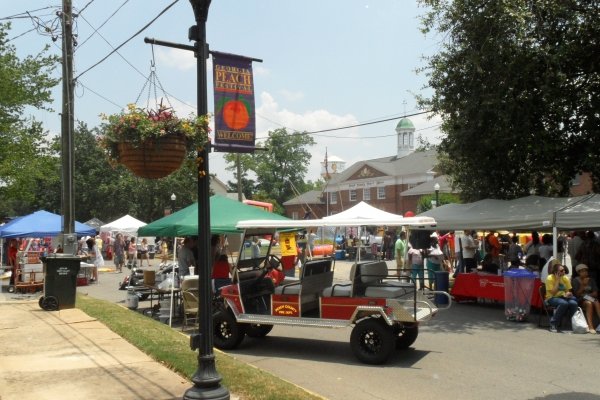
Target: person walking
144	253
400	249
119	247
132	253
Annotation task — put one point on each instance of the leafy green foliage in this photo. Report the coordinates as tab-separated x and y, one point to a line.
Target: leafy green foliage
27	169
246	164
278	170
424	203
517	85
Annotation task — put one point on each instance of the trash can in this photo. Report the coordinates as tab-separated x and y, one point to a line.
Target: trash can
340	254
518	289
60	281
442	279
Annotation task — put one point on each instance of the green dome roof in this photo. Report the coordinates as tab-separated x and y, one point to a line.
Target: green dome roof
405	124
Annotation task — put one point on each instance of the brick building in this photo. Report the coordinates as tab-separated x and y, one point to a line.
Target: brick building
380	182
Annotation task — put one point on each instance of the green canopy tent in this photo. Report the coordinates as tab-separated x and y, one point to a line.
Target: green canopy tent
224	216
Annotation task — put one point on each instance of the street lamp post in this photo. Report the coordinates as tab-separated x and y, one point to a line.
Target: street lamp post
206	379
436	187
173	198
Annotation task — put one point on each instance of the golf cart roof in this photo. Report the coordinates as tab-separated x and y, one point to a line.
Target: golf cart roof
416	222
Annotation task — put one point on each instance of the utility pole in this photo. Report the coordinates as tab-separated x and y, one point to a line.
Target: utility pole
67	128
239	176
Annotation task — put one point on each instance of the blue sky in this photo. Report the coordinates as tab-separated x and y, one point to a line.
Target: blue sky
326	64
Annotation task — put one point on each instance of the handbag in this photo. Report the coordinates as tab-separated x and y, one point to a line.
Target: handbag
578	322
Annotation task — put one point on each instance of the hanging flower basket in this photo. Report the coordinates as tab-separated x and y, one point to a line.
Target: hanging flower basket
154	158
151	144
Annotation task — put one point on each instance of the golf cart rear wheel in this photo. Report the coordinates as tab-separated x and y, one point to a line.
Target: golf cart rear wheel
228	334
406	336
372	341
50	303
258	330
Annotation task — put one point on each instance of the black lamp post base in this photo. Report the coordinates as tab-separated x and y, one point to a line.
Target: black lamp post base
213	393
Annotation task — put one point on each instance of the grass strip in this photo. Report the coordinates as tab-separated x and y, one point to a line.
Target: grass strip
171	348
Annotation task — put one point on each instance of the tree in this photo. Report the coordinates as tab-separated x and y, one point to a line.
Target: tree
26	82
283	164
27	170
425	202
517	85
246	164
279	170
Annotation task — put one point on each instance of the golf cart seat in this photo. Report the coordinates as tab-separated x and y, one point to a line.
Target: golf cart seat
372	275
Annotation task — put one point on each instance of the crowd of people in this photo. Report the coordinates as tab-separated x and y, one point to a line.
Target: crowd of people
468	252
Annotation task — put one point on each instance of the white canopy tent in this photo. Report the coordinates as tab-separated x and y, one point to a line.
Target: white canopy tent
364	212
126	225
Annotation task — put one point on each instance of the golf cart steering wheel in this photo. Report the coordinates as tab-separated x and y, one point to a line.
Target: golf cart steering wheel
272	262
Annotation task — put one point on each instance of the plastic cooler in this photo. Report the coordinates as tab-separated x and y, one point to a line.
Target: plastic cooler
518	289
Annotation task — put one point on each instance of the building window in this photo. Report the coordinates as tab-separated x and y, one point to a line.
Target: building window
333	198
352	195
367	194
381	193
294	214
576	181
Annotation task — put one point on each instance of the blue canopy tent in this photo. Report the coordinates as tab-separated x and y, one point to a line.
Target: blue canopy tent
40	224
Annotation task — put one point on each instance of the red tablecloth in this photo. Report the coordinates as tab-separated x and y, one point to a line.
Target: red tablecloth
485	286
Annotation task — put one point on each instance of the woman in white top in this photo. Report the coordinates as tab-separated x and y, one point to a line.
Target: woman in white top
435	258
144	253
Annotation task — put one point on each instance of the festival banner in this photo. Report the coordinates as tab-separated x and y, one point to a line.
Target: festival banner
235	123
287	241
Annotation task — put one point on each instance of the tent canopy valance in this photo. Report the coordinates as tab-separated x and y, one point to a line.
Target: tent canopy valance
40	224
523	214
224	216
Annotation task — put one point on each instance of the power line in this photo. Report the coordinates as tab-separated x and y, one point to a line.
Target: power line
366	123
132	66
99	95
126	41
86	6
101	25
25	14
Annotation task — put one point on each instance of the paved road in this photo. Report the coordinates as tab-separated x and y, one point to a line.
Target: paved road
467	352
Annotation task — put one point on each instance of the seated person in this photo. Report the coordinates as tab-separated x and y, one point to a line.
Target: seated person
585	289
488	265
220	272
559	296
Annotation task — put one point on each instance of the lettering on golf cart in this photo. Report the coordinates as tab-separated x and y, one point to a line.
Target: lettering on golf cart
286	309
228	135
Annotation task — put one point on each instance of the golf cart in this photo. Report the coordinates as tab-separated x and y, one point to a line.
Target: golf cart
383	311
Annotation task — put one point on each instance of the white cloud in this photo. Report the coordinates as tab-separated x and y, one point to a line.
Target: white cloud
291	96
176	58
259	70
352	144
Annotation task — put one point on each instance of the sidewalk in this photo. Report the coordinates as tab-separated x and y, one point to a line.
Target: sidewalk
69	355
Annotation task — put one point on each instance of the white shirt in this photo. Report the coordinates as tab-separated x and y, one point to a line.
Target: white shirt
468	246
